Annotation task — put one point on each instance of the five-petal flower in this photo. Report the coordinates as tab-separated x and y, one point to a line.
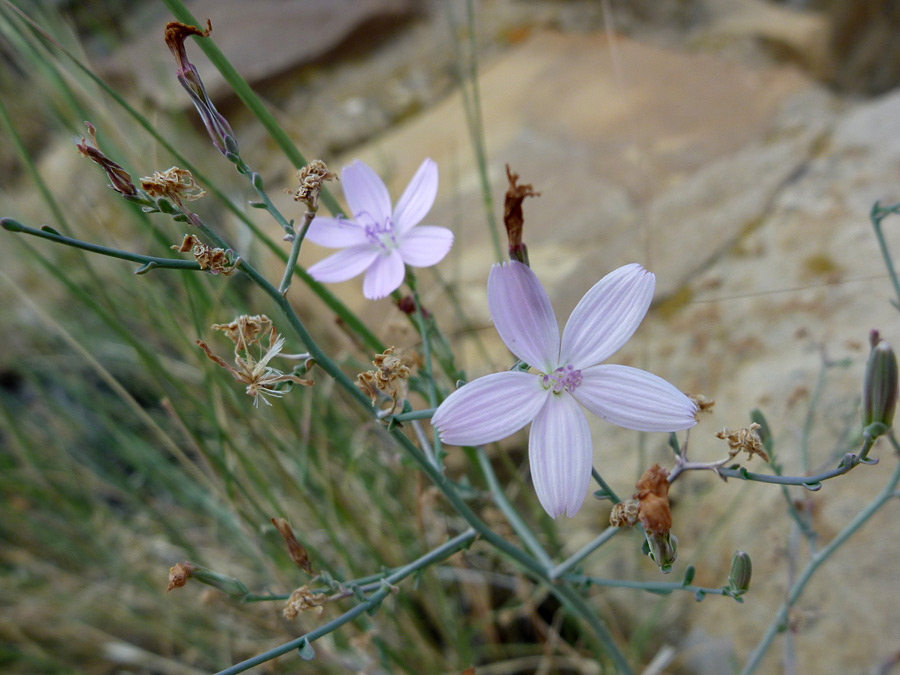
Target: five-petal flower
569	377
378	241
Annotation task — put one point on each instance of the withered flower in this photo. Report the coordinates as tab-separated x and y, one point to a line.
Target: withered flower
261	379
311	178
653	498
390	378
744	440
303	599
513	217
625	514
295	549
219	130
175	184
213	259
121	179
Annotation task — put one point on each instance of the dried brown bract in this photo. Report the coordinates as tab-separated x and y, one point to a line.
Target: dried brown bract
121	179
213	259
254	371
390	378
625	514
653	496
295	549
744	440
302	600
311	178
704	404
179	574
175	184
513	217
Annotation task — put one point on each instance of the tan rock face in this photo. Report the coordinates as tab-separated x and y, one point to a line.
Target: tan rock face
747	192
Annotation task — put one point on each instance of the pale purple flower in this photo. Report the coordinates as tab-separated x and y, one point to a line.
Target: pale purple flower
378	241
569	377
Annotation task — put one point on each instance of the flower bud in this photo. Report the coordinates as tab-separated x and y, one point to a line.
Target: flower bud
662	549
232	587
741	570
880	384
513	218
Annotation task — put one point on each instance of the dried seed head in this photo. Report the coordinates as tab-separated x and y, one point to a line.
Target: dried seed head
625	514
252	366
653	497
744	440
175	184
302	600
213	259
121	179
389	379
311	178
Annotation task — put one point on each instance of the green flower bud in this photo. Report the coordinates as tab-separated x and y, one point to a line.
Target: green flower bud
662	549
232	587
880	384
741	570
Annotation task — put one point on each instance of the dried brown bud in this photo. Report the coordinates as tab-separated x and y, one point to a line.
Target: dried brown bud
407	305
744	440
653	495
121	179
704	405
513	217
179	574
302	600
297	552
213	259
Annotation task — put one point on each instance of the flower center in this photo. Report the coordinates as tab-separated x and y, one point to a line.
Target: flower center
380	234
564	378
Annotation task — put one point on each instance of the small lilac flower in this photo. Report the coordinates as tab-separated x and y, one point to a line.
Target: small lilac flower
377	240
569	377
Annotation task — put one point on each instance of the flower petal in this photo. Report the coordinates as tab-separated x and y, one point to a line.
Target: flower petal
344	264
607	316
365	192
635	399
425	245
489	408
523	315
384	276
561	455
418	197
335	232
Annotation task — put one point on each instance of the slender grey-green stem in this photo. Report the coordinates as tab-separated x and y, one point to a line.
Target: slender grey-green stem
414	415
515	520
426	351
148	261
371	603
296	243
878	214
605	486
779	623
658	587
584	552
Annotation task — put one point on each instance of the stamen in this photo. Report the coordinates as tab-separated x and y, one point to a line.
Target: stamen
564	378
380	234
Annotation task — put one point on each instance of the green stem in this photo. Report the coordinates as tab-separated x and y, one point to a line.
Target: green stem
603	484
779	623
584	552
812	483
149	262
515	520
878	214
371	604
414	415
429	366
658	587
295	251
